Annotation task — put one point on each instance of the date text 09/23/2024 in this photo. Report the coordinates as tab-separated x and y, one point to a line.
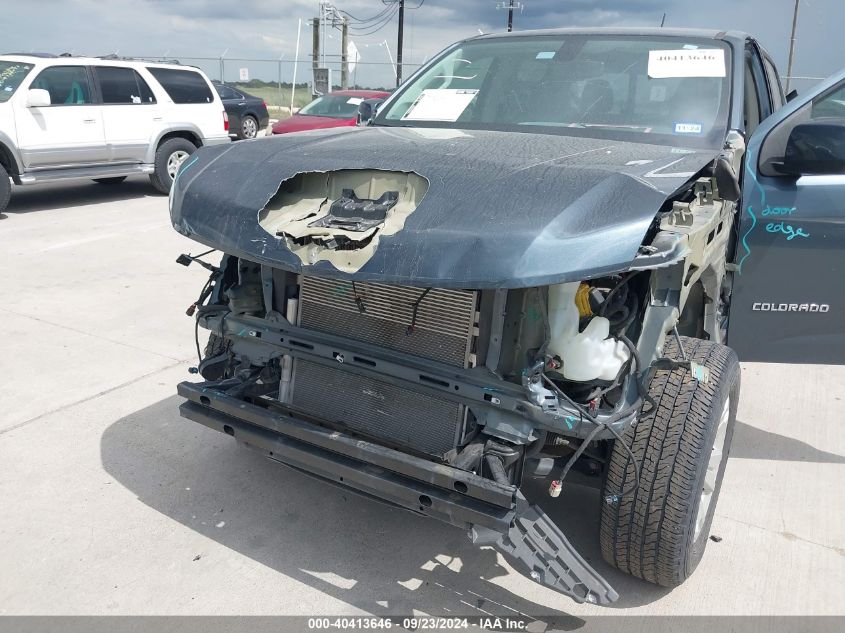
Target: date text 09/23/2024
417	623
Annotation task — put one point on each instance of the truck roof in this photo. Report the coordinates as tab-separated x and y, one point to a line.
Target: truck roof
635	30
71	60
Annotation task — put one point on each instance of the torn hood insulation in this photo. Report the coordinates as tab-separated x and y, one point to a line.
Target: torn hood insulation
498	209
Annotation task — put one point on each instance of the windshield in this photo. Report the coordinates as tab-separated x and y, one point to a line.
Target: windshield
333	106
666	90
11	76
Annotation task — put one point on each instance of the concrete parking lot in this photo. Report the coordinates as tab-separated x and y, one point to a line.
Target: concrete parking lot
112	504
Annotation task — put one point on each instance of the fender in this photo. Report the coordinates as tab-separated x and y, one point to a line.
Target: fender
168	129
7	147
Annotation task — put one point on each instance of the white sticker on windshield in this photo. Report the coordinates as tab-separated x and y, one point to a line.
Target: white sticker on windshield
440	104
545	55
703	62
688	128
354	101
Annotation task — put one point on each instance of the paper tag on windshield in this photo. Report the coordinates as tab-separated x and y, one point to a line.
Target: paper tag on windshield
354	100
702	62
440	104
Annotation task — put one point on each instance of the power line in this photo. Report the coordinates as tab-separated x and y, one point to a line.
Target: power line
374	18
401	32
375	28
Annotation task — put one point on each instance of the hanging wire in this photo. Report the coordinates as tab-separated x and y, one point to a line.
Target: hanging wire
375	28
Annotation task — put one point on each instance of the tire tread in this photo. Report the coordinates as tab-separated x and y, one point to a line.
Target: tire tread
646	533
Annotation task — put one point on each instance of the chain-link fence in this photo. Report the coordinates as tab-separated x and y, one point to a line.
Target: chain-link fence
273	79
800	83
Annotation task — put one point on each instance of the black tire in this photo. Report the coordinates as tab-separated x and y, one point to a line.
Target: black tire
248	128
116	180
5	189
650	532
161	178
216	347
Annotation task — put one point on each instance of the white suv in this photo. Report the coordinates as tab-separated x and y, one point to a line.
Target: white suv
73	117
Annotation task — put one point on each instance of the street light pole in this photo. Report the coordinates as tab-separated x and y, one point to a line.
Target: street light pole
792	46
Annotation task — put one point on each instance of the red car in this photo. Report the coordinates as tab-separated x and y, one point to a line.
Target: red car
336	109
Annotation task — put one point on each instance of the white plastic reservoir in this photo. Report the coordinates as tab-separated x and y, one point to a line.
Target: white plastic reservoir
587	355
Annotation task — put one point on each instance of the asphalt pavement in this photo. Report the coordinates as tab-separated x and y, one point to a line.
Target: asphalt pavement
110	503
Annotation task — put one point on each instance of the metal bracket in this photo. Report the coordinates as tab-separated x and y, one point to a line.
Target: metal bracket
537	545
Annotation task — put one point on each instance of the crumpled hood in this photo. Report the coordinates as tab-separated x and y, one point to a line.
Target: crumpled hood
501	209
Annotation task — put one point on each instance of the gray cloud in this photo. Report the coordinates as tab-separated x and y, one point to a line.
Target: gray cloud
189	29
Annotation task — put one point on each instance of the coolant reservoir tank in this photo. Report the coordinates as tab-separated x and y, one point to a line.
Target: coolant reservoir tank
587	355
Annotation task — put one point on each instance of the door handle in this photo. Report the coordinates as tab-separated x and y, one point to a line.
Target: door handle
89	120
157	118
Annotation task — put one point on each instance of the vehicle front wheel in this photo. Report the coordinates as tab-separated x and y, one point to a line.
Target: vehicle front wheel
116	180
5	188
659	530
169	158
249	127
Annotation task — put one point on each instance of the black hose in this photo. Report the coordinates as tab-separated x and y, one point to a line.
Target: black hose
469	457
537	446
617	288
497	469
508	454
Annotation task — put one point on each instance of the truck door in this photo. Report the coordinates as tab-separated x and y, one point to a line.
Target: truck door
129	111
788	299
69	131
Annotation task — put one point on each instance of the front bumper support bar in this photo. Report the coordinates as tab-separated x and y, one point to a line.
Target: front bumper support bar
491	513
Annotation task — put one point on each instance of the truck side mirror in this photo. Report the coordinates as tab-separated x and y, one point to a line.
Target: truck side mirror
815	147
367	110
726	180
37	98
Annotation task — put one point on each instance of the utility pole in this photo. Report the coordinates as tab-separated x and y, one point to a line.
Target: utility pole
399	44
315	52
295	64
510	6
792	46
344	61
222	55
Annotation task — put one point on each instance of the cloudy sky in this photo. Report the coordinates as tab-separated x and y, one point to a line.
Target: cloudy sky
264	29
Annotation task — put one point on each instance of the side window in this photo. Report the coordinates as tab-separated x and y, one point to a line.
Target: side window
123	86
828	111
830	105
757	103
226	92
183	86
67	85
775	87
752	105
760	84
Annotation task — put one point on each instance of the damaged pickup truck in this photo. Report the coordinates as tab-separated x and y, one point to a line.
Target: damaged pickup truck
530	261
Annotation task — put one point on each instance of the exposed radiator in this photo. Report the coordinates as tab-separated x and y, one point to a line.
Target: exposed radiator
380	314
